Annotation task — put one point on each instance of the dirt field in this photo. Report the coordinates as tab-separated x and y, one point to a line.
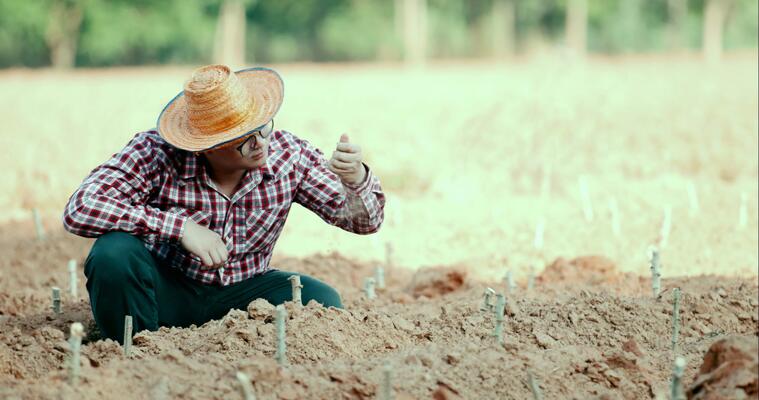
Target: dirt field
604	158
585	331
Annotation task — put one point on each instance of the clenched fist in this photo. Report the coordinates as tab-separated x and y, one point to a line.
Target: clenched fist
204	243
346	162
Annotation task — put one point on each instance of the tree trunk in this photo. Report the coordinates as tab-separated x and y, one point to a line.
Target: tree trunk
62	33
504	32
415	31
714	21
576	26
229	41
678	11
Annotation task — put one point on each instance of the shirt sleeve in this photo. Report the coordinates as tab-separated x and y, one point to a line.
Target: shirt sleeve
113	197
354	208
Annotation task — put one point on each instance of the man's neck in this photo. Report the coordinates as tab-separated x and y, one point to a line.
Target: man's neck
225	178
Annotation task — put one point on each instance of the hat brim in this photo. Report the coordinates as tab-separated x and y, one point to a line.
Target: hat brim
266	89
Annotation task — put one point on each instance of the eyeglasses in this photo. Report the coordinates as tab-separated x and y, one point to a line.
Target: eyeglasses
247	147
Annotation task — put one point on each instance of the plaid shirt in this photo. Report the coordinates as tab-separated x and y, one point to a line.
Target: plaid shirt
150	188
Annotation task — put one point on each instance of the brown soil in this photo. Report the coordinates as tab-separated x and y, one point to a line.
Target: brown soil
586	331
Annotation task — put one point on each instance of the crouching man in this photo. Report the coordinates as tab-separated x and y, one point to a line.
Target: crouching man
187	215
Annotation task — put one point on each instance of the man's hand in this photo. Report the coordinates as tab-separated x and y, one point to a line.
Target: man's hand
346	162
205	244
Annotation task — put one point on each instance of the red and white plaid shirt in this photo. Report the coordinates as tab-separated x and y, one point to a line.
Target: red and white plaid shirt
150	188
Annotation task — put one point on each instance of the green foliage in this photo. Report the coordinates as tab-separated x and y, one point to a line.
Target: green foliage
362	32
120	32
128	32
743	25
22	33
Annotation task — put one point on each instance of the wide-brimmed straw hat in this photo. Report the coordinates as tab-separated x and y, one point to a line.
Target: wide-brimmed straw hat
218	106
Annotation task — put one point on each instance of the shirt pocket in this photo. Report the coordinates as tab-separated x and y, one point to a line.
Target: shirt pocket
262	227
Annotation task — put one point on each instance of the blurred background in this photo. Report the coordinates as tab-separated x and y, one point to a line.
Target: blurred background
103	33
506	133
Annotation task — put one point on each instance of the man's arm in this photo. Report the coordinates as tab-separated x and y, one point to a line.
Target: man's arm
113	197
357	208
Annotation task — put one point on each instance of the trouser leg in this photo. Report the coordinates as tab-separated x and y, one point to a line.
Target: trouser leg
123	279
274	287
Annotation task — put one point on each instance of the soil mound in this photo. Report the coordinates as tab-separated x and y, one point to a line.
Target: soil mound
591	270
730	371
436	282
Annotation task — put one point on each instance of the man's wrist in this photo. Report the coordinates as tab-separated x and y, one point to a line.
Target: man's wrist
359	181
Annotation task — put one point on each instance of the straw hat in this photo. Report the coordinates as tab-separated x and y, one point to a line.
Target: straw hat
218	106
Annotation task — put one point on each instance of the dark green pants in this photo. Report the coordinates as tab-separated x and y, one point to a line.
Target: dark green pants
123	278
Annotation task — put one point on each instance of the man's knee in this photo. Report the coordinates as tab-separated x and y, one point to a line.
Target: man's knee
112	257
314	289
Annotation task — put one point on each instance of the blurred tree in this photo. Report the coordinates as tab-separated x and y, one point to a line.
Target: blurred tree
677	12
129	32
289	30
229	40
22	33
414	31
503	35
742	25
377	40
629	20
576	26
133	32
715	14
62	33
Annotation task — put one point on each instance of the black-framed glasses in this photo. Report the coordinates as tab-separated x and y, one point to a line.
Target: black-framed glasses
247	147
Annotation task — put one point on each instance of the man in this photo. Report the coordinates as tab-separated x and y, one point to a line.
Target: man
187	215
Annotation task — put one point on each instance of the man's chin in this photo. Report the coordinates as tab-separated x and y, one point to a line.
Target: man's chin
255	163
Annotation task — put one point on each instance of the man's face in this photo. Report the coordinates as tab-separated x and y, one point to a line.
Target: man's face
246	153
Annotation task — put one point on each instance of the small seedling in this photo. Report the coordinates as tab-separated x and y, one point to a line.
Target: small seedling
73	281
500	305
281	355
614	210
743	212
539	233
666	227
677	392
534	387
486	295
587	206
655	274
38	224
128	335
387	384
246	389
77	332
693	199
511	286
296	286
675	319
56	300
369	288
379	277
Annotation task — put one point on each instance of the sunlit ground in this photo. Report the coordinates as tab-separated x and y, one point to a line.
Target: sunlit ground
472	157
